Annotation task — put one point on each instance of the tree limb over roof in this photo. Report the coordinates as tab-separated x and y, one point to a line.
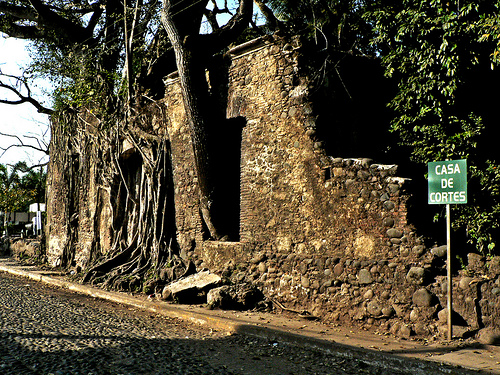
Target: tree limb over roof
37	20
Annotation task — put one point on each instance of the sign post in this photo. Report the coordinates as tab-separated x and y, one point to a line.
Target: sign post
448	185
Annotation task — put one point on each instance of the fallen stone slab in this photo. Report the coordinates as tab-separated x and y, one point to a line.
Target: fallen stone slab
187	289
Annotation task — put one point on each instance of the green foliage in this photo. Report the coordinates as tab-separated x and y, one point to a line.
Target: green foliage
429	49
19	187
482	218
34	180
74	73
437	51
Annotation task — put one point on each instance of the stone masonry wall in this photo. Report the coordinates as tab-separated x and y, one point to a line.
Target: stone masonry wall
293	197
73	194
187	212
329	235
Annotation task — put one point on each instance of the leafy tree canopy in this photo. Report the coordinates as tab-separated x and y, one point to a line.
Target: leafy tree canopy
442	54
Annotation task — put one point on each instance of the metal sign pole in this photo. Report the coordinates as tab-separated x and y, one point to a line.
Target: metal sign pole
448	270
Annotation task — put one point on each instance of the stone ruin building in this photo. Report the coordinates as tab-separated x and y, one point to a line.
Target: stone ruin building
315	232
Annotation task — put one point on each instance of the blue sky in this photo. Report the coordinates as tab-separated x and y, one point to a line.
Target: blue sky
21	120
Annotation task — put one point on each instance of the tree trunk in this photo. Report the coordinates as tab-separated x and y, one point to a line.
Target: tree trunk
192	51
194	92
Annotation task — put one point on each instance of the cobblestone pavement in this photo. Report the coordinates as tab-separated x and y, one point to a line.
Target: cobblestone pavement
47	330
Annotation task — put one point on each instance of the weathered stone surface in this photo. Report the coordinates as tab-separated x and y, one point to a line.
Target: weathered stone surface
374	309
439	251
385	295
418	250
388	311
390	205
394	233
494	265
262	267
294	208
388	221
458	331
464	282
366	162
414	315
405	331
393	188
363	175
185	288
416	275
304	281
475	261
234	297
489	336
384	197
338	269
421	328
422	298
365	277
443	316
258	258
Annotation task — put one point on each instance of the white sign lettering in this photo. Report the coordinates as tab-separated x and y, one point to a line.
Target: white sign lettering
446	197
447	169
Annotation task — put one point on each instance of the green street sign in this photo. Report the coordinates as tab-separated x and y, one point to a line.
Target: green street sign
447	182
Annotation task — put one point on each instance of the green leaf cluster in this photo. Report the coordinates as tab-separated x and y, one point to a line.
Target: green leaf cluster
437	51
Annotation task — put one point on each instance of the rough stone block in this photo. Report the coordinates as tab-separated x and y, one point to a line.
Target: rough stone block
422	298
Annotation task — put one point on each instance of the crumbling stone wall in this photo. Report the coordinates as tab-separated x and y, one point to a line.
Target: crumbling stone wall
332	235
76	198
329	235
293	197
187	212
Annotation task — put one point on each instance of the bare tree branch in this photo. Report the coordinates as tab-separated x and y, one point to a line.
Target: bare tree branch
226	34
41	147
211	14
268	14
41	143
22	98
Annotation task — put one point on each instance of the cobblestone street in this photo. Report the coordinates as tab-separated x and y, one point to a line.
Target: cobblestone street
47	330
